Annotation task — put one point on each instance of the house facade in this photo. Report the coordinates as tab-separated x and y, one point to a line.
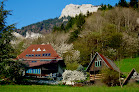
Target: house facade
41	60
97	63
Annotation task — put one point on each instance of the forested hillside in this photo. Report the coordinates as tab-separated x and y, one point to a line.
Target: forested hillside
43	27
114	32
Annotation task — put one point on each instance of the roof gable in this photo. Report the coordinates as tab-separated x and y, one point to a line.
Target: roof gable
109	63
129	76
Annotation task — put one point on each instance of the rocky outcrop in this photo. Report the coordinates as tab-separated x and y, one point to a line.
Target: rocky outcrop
17	35
73	10
33	35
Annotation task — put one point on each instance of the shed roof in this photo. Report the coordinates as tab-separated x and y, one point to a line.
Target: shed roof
129	76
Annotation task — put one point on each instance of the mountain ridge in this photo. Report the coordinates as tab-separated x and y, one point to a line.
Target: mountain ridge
46	26
43	27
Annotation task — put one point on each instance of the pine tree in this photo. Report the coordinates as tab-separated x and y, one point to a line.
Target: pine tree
134	3
8	68
80	20
6	35
123	3
62	27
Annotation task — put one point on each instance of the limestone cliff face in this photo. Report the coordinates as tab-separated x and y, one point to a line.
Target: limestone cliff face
30	35
17	35
33	35
73	10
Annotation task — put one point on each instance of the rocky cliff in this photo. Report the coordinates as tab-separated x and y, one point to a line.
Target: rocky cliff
73	10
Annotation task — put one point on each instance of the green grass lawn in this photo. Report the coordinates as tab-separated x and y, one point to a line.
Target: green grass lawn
126	65
47	88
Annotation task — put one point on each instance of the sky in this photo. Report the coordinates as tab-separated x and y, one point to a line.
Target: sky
26	12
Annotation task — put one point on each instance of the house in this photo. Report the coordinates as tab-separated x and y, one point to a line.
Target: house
97	63
132	77
42	61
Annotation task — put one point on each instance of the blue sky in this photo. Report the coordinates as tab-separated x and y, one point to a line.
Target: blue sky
25	12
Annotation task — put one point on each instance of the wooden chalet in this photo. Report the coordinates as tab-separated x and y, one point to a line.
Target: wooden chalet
42	61
97	63
132	77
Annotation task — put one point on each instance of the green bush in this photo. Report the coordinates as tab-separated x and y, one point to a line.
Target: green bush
72	66
73	36
81	69
110	77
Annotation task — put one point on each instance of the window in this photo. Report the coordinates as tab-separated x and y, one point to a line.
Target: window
43	54
46	54
38	55
34	61
38	49
44	50
29	55
33	50
98	63
34	71
49	54
29	71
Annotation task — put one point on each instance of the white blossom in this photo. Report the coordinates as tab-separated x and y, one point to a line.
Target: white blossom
69	75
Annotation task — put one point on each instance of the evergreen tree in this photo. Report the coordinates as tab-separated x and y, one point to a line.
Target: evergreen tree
134	3
62	27
6	35
69	24
80	20
123	3
73	36
106	7
8	68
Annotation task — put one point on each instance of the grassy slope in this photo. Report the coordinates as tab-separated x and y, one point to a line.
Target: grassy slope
45	88
126	65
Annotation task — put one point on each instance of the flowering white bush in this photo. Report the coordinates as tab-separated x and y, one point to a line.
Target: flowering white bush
69	75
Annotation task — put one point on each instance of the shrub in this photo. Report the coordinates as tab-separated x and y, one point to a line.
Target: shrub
110	77
73	76
72	66
81	69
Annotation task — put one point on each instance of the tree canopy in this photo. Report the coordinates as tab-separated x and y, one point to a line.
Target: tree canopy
8	67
